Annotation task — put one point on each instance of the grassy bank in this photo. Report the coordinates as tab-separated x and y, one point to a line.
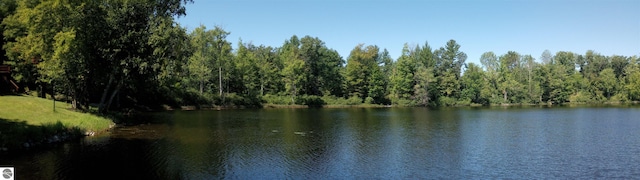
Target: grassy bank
27	121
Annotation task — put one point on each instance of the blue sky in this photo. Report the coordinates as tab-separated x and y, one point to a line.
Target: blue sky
610	27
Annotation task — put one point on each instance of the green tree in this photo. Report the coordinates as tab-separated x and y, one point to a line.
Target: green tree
172	48
424	79
269	70
448	68
509	86
618	63
7	8
567	60
402	78
386	63
491	64
322	67
201	62
46	32
361	65
472	84
330	77
607	82
558	88
633	79
247	67
293	72
223	60
121	48
594	63
132	53
377	86
633	86
533	86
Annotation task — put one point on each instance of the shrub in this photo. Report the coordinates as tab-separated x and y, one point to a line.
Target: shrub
368	100
234	99
354	100
330	99
333	100
620	97
446	101
276	99
195	98
463	102
580	97
310	100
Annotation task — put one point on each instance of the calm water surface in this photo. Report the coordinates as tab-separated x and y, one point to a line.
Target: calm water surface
356	143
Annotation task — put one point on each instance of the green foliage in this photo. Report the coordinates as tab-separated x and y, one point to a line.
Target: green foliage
369	100
402	78
423	85
377	86
472	84
403	102
333	100
248	70
235	100
446	101
201	63
633	86
322	66
310	100
275	99
581	97
607	82
619	98
354	100
269	68
363	75
448	69
135	51
293	72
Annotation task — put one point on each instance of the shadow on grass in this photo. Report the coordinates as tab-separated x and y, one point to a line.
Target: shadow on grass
18	135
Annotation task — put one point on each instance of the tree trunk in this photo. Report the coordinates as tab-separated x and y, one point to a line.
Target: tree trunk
41	92
293	95
115	92
104	95
74	100
426	88
220	80
118	101
504	93
201	85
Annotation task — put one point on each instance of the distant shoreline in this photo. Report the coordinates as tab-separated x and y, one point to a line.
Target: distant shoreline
298	106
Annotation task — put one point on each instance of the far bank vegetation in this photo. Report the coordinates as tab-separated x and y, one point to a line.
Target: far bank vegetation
135	55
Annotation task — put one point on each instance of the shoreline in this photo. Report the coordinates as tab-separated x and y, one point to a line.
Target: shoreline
23	134
30	123
42	140
298	106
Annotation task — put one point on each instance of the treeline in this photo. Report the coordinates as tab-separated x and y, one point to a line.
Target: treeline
107	52
134	53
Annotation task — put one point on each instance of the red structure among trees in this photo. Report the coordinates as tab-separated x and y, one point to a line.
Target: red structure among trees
7	82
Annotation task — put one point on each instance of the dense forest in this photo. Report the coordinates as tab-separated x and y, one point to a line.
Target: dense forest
128	54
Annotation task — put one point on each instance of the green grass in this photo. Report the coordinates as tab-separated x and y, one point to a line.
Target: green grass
38	112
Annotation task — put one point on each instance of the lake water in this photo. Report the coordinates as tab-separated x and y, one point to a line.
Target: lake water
355	143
